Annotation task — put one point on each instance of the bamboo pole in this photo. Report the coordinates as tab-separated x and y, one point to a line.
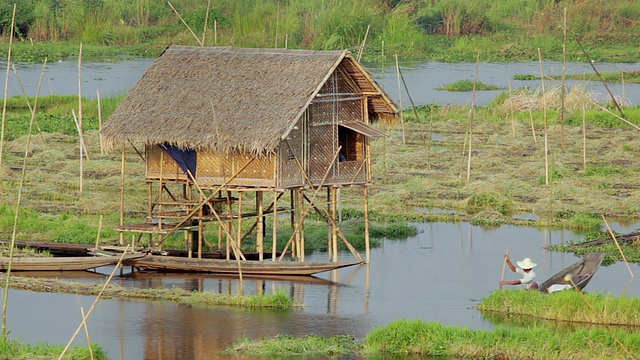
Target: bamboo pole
277	24
17	209
206	201
471	114
533	128
26	99
584	138
544	115
306	211
122	179
83	148
513	120
100	122
260	229
618	246
79	122
568	278
617	116
344	239
6	87
86	316
364	41
86	331
334	214
564	71
604	83
504	266
206	22
185	24
99	231
275	226
404	141
366	225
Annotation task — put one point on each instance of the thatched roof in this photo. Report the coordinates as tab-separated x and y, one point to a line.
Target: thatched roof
226	99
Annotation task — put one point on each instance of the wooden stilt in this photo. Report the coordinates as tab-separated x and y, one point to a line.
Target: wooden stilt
334	232
123	158
366	224
330	223
260	228
274	240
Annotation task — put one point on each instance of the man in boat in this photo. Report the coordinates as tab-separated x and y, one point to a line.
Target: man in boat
525	268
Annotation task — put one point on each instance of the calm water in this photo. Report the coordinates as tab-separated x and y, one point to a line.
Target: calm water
116	78
439	275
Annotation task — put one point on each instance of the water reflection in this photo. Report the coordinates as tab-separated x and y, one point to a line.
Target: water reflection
440	275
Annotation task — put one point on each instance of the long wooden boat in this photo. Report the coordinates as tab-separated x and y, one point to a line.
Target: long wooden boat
246	267
72	263
581	273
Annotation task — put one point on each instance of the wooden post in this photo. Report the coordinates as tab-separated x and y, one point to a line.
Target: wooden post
123	158
275	226
80	119
334	232
366	223
330	223
301	227
260	228
544	116
239	236
401	111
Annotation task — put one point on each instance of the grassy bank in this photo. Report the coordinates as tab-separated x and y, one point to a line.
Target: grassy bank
15	349
417	338
565	306
454	30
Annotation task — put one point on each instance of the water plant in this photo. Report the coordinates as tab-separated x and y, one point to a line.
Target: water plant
418	338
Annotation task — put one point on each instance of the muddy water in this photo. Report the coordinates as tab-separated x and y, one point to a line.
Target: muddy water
439	275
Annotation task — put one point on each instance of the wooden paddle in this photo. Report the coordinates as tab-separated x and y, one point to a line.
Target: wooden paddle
504	265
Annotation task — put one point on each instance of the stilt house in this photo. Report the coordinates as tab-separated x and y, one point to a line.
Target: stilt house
221	122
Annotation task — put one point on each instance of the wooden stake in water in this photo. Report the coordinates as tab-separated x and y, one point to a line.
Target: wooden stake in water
401	110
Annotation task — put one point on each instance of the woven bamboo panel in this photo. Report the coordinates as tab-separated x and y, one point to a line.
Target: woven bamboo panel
170	169
351	172
322	149
289	173
350	110
216	169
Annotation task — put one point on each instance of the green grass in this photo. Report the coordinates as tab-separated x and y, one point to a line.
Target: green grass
412	338
452	31
16	349
565	306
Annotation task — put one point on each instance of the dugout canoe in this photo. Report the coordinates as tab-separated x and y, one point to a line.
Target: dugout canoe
71	263
581	273
246	267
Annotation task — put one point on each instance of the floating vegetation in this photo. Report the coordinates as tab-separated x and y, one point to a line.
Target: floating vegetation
468	85
566	306
419	338
276	301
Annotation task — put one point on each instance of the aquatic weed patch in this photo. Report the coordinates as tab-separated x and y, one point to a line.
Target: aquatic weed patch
566	306
418	338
